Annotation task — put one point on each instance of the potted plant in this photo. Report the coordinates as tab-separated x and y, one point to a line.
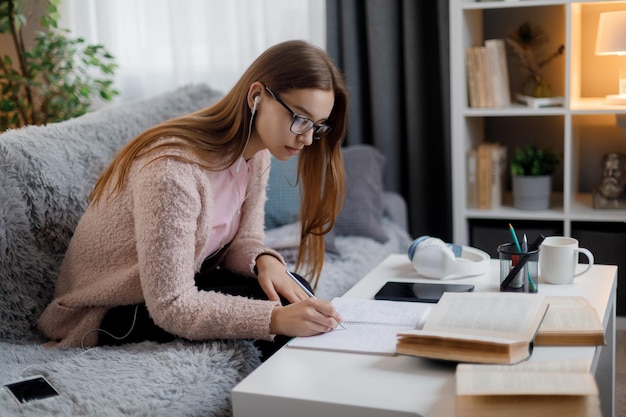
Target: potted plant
531	176
54	80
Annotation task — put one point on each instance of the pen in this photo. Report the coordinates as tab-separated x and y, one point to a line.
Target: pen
525	250
518	282
306	290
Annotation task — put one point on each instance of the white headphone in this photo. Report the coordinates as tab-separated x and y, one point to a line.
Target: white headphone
433	258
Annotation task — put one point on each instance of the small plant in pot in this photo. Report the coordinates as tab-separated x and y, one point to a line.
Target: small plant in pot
54	79
531	176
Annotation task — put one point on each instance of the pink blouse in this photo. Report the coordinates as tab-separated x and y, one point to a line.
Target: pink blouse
230	186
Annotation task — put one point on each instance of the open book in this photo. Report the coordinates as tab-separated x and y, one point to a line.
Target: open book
570	320
371	326
477	327
563	388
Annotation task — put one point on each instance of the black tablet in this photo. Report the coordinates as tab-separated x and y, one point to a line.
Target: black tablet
418	291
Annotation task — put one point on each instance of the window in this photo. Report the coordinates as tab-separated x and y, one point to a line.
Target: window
163	44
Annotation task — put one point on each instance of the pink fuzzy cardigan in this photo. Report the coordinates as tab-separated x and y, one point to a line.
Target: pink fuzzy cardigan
146	244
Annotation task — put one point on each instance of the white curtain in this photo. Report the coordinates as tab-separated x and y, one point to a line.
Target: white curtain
163	44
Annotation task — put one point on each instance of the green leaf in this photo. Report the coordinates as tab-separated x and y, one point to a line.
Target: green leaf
7	105
85	91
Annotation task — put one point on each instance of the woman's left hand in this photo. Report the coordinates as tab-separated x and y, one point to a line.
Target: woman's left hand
274	280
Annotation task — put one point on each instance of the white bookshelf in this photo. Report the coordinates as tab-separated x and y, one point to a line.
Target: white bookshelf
582	130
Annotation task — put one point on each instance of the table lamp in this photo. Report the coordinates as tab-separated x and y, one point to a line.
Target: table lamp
611	40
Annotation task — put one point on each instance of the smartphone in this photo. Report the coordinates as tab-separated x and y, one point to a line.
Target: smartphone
33	388
418	291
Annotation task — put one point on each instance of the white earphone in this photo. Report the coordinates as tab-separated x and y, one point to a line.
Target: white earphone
256	103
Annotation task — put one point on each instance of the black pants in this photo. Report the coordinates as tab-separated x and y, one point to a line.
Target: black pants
133	324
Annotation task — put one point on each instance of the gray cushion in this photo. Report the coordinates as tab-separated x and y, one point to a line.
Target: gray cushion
282	207
283	194
363	207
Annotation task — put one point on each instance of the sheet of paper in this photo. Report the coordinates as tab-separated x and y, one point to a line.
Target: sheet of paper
372	326
379	340
393	313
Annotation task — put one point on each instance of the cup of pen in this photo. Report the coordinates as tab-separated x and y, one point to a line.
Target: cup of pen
519	271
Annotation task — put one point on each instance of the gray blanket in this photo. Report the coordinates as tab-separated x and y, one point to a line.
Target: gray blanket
145	379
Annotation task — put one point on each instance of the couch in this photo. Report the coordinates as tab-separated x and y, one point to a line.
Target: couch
46	175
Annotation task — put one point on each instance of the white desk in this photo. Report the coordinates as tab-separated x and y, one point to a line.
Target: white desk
310	383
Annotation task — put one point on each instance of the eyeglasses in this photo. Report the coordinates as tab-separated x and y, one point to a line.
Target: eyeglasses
302	124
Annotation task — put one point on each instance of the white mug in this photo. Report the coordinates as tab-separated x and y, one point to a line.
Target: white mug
558	258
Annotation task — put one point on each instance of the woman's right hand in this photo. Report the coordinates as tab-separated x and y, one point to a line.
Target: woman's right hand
304	318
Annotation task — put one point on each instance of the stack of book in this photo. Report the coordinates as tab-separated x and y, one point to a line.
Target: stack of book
486	175
551	388
488	74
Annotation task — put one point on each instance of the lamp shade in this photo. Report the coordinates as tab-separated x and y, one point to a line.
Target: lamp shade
611	38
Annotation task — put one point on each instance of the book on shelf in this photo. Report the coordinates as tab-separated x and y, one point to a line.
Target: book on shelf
570	321
472	82
484	166
371	326
487	75
550	388
476	77
486	82
472	178
496	52
539	102
494	328
498	174
490	161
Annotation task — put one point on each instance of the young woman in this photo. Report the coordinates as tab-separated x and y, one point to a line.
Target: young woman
171	244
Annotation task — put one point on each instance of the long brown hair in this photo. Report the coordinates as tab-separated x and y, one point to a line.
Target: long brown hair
217	136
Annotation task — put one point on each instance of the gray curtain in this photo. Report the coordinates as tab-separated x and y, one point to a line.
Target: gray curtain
394	57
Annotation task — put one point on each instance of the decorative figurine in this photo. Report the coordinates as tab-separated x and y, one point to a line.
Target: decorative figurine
610	193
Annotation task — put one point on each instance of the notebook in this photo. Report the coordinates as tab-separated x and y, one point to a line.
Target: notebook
371	326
